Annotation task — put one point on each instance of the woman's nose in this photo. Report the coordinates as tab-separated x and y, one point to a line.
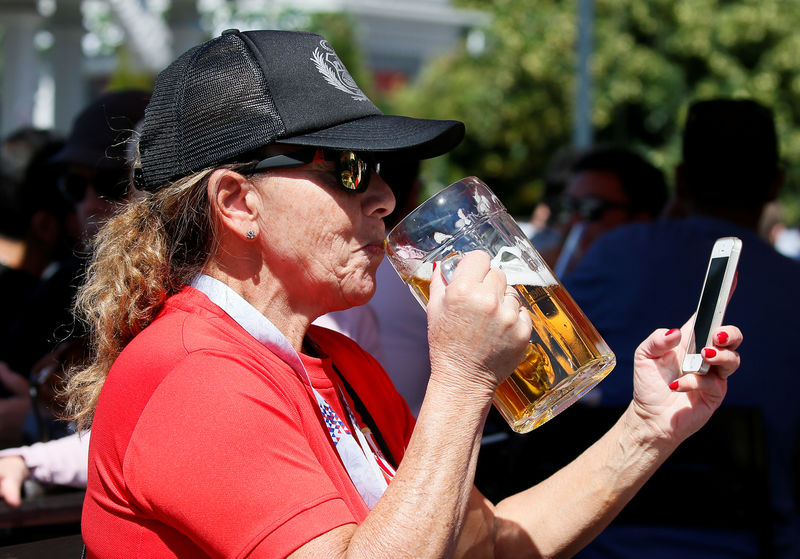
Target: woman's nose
378	199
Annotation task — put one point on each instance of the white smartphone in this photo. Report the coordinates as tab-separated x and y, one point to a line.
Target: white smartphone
713	301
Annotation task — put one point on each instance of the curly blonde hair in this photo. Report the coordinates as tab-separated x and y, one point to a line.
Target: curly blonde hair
147	252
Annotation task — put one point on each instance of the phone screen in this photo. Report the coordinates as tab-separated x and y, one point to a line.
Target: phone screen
708	301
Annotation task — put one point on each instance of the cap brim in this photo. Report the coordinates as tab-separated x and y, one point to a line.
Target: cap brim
87	157
393	135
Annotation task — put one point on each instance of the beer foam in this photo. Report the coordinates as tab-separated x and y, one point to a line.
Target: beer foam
518	272
424	271
508	259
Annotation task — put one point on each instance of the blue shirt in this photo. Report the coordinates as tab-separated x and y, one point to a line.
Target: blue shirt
640	277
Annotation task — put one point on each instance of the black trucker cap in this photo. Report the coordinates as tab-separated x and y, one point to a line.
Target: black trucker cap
100	133
245	90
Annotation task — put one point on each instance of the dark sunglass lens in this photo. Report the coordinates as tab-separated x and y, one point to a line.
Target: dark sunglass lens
74	187
353	172
592	208
111	186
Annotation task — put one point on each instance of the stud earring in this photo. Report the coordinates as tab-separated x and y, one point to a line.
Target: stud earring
251	234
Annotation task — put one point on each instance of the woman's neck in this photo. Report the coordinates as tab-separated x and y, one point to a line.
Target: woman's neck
270	299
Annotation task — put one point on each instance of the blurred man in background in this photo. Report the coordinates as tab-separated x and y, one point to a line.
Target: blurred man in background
91	172
607	186
744	474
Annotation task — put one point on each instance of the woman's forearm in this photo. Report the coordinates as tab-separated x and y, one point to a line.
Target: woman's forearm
562	514
423	510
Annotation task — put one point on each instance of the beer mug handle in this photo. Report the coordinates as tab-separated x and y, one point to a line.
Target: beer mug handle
448	265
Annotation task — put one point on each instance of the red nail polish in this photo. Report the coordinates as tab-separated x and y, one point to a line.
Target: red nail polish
722	337
709	352
673	385
434	266
672	331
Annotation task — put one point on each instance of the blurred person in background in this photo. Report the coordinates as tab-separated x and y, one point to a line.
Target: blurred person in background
91	172
774	230
607	186
32	212
32	216
33	236
646	273
541	229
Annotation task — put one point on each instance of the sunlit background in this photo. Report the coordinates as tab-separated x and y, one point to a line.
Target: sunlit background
529	77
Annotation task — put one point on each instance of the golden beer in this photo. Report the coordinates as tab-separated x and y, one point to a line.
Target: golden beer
565	349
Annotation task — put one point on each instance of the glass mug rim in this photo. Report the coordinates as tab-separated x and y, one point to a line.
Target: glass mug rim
472	182
475	186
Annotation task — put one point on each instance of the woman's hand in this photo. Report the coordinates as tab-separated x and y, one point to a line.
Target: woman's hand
14	407
477	329
13	472
673	405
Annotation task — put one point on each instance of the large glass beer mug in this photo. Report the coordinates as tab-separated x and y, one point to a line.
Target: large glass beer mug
566	356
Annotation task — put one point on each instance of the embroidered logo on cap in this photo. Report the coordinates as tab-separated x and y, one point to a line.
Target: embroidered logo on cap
334	72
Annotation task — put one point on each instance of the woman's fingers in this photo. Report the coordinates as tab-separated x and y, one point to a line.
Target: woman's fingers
478	317
470	270
13	472
729	337
473	267
659	343
723	356
711	385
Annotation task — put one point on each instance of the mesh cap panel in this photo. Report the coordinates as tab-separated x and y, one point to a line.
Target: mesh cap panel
160	132
241	118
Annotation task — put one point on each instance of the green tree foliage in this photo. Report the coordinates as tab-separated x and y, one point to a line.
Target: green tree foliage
651	58
126	75
514	96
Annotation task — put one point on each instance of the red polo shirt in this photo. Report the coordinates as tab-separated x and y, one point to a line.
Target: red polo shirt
205	443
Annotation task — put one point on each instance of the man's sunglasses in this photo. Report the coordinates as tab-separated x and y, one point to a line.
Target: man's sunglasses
110	185
589	208
353	170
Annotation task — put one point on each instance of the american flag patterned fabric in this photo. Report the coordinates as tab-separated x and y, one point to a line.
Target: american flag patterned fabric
336	427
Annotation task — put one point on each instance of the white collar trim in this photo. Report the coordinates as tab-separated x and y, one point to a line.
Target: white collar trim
255	323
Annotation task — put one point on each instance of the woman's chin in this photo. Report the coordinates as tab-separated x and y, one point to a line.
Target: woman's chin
362	296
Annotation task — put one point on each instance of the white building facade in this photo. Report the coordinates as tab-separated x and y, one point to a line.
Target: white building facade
47	76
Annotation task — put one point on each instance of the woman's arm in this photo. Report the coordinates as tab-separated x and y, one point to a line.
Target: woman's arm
559	516
61	461
431	508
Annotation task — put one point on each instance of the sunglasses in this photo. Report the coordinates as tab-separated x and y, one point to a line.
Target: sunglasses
589	208
110	185
353	170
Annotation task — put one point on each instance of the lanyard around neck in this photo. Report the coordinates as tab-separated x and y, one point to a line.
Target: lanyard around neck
358	458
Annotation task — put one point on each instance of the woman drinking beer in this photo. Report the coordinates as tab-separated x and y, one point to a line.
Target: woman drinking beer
224	425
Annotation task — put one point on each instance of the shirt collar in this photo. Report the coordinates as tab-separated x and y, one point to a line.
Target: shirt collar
249	318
